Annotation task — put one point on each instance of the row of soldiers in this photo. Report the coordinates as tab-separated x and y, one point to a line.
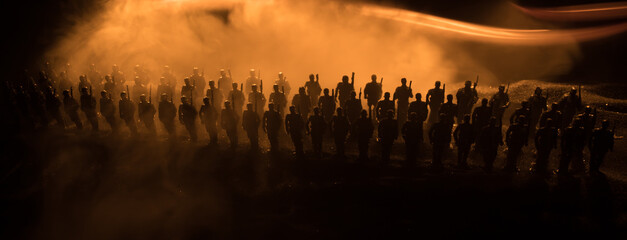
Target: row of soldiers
342	121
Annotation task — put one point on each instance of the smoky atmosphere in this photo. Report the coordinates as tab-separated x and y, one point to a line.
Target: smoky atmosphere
313	119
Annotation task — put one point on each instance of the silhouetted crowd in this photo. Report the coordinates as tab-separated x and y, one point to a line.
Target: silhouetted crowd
224	105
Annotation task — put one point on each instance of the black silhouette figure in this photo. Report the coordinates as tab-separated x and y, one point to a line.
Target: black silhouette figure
228	121
167	113
545	141
146	111
384	106
440	138
516	136
388	132
340	128
499	103
402	95
373	92
434	98
127	112
344	89
316	127
209	117
573	141
363	128
488	142
313	88
250	122
187	117
271	125
464	136
466	99
602	141
412	131
294	126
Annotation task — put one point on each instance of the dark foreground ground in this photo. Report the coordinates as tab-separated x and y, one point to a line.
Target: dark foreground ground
75	185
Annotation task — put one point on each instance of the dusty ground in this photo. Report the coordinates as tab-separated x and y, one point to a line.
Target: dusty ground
69	185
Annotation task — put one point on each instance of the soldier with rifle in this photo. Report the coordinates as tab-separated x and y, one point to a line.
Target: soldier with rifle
435	98
271	125
589	119
118	78
537	105
573	141
71	108
110	86
127	112
187	89
107	110
316	127
252	80
545	141
488	142
516	137
500	102
373	91
53	106
294	126
440	138
553	114
278	99
411	131
257	99
570	105
466	99
302	103
388	133
146	111
402	95
187	117
224	81
384	106
327	104
228	121
449	110
250	123
209	117
340	128
237	99
523	111
282	82
464	136
215	97
199	83
353	107
313	88
363	130
168	80
422	111
164	87
344	89
167	113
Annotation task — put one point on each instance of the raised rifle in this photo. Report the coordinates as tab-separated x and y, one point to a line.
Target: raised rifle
241	87
333	94
443	92
476	82
353	78
381	83
90	91
317	79
261	86
230	76
410	84
150	93
128	93
507	90
359	93
71	92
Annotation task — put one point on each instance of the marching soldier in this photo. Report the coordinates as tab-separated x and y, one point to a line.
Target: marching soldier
215	97
127	112
466	99
373	91
464	136
411	134
449	110
589	119
327	104
107	110
313	88
537	105
250	123
167	113
209	117
340	128
146	111
569	106
523	111
553	114
420	108
353	108
344	89
294	126
140	87
402	95
435	98
384	106
198	80
252	80
283	83
440	138
257	99
83	83
187	117
302	104
118	77
545	141
164	87
272	125
53	105
490	138
278	99
71	109
388	132
109	86
188	89
169	80
516	137
602	141
237	99
224	81
499	102
316	127
364	129
95	77
228	121
572	144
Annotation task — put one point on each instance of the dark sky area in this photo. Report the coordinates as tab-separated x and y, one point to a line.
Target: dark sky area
33	26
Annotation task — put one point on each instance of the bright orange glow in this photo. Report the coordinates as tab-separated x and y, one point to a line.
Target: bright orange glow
586	12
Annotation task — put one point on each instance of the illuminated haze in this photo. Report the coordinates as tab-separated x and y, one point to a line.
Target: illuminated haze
302	37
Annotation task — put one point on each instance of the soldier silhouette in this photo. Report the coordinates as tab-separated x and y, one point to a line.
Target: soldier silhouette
481	116
440	138
53	106
402	95
302	103
198	80
252	80
278	99
88	106
228	121
344	89
545	141
164	87
499	102
187	117
110	86
434	98
294	126
553	114
373	92
167	113
313	88
215	97
237	99
363	128
384	106
573	141
420	108
466	99
316	127
127	112
537	105
146	111
169	81
488	142
282	82
589	120
257	99
340	128
224	81
516	136
388	132
602	141
209	117
449	110
188	89
522	111
412	131
327	104
464	136
271	125
250	123
569	106
353	108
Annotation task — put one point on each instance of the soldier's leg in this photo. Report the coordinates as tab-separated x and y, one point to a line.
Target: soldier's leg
94	122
